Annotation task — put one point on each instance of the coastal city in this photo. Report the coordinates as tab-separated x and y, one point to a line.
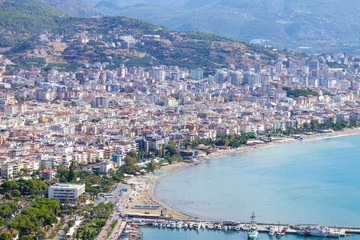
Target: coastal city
179	120
88	146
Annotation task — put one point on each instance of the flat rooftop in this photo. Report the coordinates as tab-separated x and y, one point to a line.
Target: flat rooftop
67	185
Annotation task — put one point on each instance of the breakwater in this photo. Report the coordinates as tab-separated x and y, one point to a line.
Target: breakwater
235	226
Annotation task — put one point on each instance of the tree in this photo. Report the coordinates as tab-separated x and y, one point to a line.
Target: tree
151	167
234	143
171	150
16	193
129	161
9	185
5	236
8	196
5	210
72	174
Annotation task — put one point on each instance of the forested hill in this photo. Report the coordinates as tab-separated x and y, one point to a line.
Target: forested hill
73	7
40	36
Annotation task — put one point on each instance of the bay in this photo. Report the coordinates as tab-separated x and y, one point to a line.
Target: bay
315	182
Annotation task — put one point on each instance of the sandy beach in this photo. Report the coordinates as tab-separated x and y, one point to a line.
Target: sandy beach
143	192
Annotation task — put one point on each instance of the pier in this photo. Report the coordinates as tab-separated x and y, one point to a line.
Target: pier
231	225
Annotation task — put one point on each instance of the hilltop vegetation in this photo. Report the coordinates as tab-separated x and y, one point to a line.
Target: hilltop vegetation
320	24
73	7
22	19
68	43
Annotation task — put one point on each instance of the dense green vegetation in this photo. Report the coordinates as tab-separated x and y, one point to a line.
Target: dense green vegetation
34	219
336	65
73	7
314	125
233	141
294	93
24	187
23	16
95	219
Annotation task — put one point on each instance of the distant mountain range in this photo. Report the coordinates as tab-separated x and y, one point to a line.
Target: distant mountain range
324	25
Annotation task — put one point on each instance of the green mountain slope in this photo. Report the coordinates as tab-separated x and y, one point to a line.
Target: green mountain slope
73	7
290	23
52	39
21	19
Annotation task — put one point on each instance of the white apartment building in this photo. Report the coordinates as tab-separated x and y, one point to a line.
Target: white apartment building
63	191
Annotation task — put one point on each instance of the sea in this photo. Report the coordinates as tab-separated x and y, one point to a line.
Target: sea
307	182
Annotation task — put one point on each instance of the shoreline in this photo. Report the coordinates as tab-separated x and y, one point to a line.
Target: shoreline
175	214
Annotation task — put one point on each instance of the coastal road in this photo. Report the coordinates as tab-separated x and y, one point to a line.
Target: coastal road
120	202
61	234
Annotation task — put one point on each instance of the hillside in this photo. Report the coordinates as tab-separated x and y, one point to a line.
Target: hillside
68	43
73	7
321	24
21	19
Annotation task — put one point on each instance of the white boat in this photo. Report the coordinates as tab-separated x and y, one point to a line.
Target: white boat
304	231
318	232
179	225
272	232
253	232
332	233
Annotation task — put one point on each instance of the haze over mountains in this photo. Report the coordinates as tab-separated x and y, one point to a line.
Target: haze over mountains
324	25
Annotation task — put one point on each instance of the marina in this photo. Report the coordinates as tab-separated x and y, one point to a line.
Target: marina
250	228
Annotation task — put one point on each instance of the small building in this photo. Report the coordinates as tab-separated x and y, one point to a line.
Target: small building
118	159
48	173
66	191
105	167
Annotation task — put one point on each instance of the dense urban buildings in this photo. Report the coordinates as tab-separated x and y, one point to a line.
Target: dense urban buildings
97	116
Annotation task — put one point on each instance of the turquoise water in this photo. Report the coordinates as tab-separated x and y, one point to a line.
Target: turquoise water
305	182
174	234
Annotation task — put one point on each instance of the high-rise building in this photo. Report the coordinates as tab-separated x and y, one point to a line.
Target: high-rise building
101	102
313	65
236	78
122	71
220	76
258	68
197	74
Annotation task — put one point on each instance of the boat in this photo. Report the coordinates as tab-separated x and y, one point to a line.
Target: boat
253	232
272	232
333	233
279	233
178	225
304	231
318	232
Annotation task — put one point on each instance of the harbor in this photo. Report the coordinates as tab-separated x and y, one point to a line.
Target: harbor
234	226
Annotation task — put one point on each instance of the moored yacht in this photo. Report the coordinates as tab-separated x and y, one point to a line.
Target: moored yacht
253	232
272	232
